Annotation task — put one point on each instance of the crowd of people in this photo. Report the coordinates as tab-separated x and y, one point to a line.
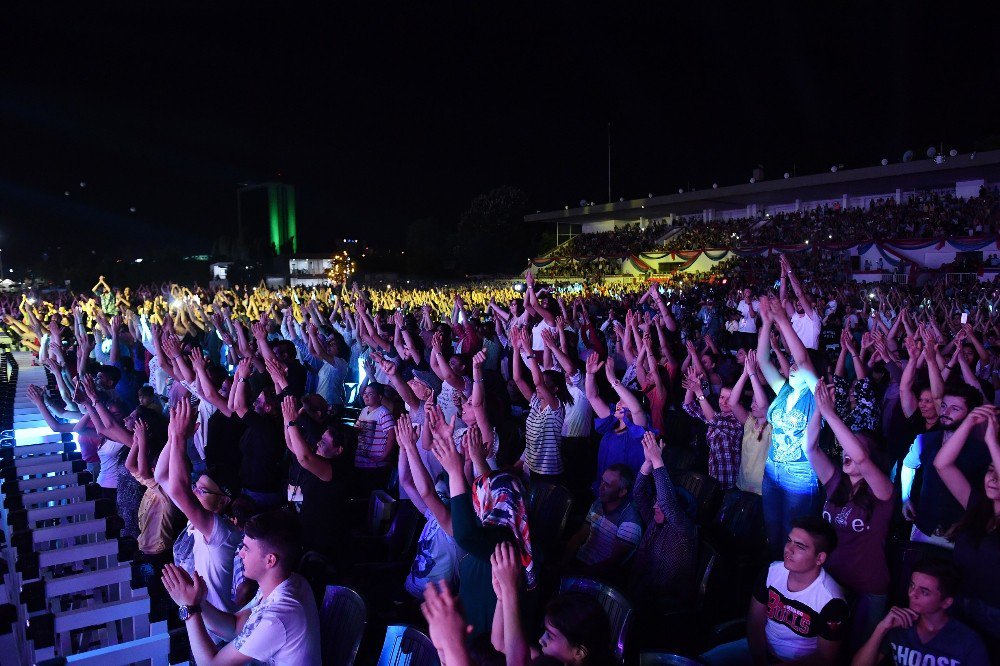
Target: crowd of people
236	430
922	215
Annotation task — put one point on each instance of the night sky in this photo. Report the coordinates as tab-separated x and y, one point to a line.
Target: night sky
385	113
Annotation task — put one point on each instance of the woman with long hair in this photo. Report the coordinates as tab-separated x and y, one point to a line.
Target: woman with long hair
548	396
859	507
790	487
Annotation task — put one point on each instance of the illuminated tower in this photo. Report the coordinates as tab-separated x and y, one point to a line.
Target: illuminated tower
270	204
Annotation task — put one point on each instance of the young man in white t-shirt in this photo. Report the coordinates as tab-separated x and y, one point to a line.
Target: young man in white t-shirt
279	626
801	311
798	611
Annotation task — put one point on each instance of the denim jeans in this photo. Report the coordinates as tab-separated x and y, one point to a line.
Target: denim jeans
736	653
790	490
866	612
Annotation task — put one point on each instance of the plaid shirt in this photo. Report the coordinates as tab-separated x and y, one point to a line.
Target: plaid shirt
725	444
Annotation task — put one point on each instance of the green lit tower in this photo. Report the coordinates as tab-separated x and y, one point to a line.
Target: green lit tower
273	204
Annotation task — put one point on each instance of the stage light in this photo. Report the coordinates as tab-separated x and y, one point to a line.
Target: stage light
885	162
753	180
787	175
83	183
715	186
833	169
953	152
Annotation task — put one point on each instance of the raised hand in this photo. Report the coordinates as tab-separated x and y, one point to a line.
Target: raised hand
594	364
406	434
752	366
140	432
825	401
449	457
479	359
36	394
182	588
446	626
652	449
289	408
505	563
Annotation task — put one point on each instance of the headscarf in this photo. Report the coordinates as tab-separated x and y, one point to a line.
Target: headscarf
498	499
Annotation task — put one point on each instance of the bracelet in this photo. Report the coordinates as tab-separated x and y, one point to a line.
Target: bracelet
700	398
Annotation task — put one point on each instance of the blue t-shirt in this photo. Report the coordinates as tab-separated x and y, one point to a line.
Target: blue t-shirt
618	447
954	645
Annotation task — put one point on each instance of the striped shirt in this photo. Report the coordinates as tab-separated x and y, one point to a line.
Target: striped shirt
374	426
622	523
543	438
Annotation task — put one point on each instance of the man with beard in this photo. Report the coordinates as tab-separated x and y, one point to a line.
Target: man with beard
935	511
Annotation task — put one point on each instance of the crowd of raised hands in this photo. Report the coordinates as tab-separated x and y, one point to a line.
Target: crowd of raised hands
476	395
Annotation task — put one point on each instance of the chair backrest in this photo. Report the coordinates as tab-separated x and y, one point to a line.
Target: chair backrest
381	506
342	619
548	510
704	488
666	659
615	604
708	558
739	522
406	646
401	539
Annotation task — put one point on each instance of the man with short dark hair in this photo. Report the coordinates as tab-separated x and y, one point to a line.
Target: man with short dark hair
923	633
613	528
937	511
279	626
798	611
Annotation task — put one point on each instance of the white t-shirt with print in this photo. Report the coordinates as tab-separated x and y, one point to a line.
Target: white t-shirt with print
282	628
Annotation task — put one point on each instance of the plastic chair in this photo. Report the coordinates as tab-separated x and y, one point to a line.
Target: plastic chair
666	659
342	618
705	490
406	646
549	506
616	604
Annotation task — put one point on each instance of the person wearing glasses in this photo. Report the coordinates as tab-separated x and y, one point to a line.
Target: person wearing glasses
205	504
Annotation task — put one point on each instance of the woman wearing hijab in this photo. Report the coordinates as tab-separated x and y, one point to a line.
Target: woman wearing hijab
494	512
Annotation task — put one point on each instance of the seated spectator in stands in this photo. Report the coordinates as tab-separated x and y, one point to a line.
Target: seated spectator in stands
212	540
262	463
376	440
667	556
977	535
756	429
613	528
802	313
798	611
495	511
437	553
923	633
859	506
281	623
724	429
621	431
312	488
936	512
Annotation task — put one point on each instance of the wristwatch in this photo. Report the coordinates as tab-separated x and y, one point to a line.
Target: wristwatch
185	613
291	424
